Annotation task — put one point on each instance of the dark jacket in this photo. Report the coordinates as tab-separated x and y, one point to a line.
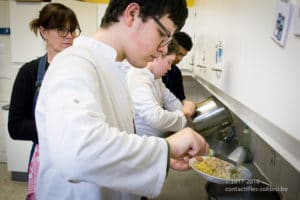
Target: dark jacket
21	122
173	81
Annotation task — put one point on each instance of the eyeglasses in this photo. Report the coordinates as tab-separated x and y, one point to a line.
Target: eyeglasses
167	40
63	32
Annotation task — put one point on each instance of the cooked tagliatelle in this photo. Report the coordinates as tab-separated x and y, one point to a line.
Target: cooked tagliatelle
218	168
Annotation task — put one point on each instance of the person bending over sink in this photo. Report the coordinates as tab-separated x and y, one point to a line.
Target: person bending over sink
157	110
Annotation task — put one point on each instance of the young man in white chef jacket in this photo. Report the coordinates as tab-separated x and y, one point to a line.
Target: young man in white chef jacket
84	115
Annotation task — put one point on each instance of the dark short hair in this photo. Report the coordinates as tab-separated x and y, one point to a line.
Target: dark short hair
183	40
173	47
176	9
55	15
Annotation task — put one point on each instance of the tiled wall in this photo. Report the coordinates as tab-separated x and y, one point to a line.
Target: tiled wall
274	167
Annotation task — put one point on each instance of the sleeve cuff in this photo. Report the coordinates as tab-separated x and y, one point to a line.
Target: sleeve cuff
168	158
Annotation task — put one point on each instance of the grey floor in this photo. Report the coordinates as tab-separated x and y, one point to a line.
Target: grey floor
183	185
178	185
10	190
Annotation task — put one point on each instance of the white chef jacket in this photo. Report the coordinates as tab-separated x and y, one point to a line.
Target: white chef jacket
83	117
157	110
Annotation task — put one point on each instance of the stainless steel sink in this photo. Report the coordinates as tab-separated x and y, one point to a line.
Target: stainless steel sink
223	147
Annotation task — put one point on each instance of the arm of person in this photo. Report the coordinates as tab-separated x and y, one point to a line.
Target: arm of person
188	108
170	101
152	112
21	124
183	145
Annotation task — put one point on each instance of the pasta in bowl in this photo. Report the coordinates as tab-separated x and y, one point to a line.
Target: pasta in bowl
217	171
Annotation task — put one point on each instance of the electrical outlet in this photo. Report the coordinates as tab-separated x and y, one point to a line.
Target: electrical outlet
273	157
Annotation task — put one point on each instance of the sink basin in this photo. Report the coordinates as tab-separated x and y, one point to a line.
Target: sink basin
223	147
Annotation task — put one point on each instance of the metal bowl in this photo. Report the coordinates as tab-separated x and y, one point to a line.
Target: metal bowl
211	116
223	147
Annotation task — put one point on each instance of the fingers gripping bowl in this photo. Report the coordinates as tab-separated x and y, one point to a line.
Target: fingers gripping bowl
215	170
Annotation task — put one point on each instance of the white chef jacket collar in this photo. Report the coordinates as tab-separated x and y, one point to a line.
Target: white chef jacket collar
106	50
150	74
